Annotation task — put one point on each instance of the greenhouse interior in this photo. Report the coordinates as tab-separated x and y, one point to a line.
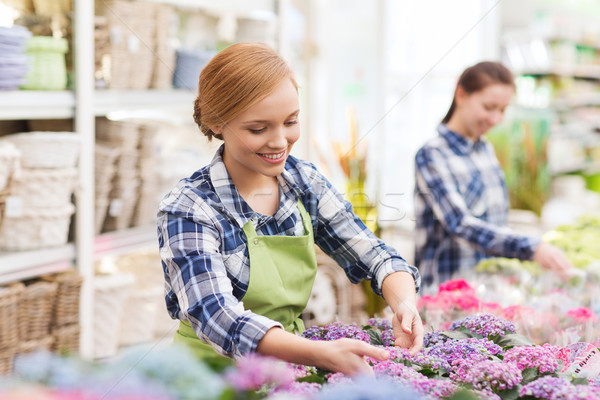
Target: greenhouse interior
325	199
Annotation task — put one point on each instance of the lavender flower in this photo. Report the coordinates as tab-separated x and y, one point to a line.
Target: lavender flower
296	390
435	363
254	371
487	374
337	378
484	325
433	388
380	323
546	387
387	338
390	368
541	358
432	338
337	330
472	349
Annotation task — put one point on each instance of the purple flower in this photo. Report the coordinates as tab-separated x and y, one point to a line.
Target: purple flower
435	363
337	378
484	325
433	388
487	374
538	357
553	388
380	323
472	349
254	370
432	338
300	390
337	330
393	369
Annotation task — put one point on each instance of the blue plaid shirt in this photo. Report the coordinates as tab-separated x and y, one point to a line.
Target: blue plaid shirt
461	208
205	256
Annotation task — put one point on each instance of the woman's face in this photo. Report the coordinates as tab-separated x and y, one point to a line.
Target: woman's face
259	140
480	111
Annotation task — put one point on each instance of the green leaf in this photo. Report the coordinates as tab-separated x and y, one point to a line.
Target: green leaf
512	340
529	375
318	377
579	381
375	336
510	394
463	394
456	334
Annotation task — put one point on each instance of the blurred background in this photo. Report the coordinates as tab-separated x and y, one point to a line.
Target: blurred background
96	126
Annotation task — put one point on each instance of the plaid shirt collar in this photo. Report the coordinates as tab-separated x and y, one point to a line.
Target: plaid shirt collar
237	207
459	143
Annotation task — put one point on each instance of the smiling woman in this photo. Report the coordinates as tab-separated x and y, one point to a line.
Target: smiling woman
237	237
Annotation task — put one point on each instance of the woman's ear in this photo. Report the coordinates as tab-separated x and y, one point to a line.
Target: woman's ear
460	95
216	129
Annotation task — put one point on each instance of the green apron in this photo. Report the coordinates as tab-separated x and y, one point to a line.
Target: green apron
282	274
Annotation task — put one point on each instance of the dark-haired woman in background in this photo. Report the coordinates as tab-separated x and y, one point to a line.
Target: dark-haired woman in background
461	200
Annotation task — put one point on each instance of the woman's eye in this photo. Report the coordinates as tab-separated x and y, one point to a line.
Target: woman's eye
290	123
256	130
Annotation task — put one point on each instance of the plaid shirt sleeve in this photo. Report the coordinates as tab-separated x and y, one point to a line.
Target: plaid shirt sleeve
190	251
343	236
436	182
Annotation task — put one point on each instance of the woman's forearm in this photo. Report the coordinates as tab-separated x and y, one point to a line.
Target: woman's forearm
399	288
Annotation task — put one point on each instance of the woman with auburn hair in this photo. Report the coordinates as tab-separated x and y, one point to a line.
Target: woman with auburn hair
237	237
461	199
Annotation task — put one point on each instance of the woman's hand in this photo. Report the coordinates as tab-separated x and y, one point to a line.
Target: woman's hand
554	259
408	328
342	355
348	356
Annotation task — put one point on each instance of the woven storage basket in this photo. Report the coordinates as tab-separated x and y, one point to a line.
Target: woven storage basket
55	184
36	306
9	315
120	213
48	70
47	149
101	208
9	163
6	360
124	135
66	302
37	228
66	339
29	346
139	315
110	293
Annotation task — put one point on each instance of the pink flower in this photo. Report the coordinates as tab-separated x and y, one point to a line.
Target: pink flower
468	302
581	315
456	285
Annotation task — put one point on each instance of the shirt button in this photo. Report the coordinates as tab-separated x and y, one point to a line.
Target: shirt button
255	240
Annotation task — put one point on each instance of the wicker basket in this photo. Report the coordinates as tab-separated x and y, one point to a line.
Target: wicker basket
46	149
122	134
56	184
66	339
36	305
9	163
6	361
29	346
9	314
139	311
68	293
37	228
110	293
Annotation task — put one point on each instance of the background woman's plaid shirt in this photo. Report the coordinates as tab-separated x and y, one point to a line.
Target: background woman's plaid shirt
461	208
205	257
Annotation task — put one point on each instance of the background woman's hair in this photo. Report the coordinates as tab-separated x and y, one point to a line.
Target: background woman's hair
235	79
478	77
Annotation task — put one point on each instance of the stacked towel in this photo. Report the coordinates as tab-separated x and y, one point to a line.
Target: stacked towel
14	64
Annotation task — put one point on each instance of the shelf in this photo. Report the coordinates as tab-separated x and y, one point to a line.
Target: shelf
32	104
138	101
15	266
249	10
25	104
125	241
585	72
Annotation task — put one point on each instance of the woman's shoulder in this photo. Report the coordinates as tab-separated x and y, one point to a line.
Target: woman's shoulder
189	192
302	172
